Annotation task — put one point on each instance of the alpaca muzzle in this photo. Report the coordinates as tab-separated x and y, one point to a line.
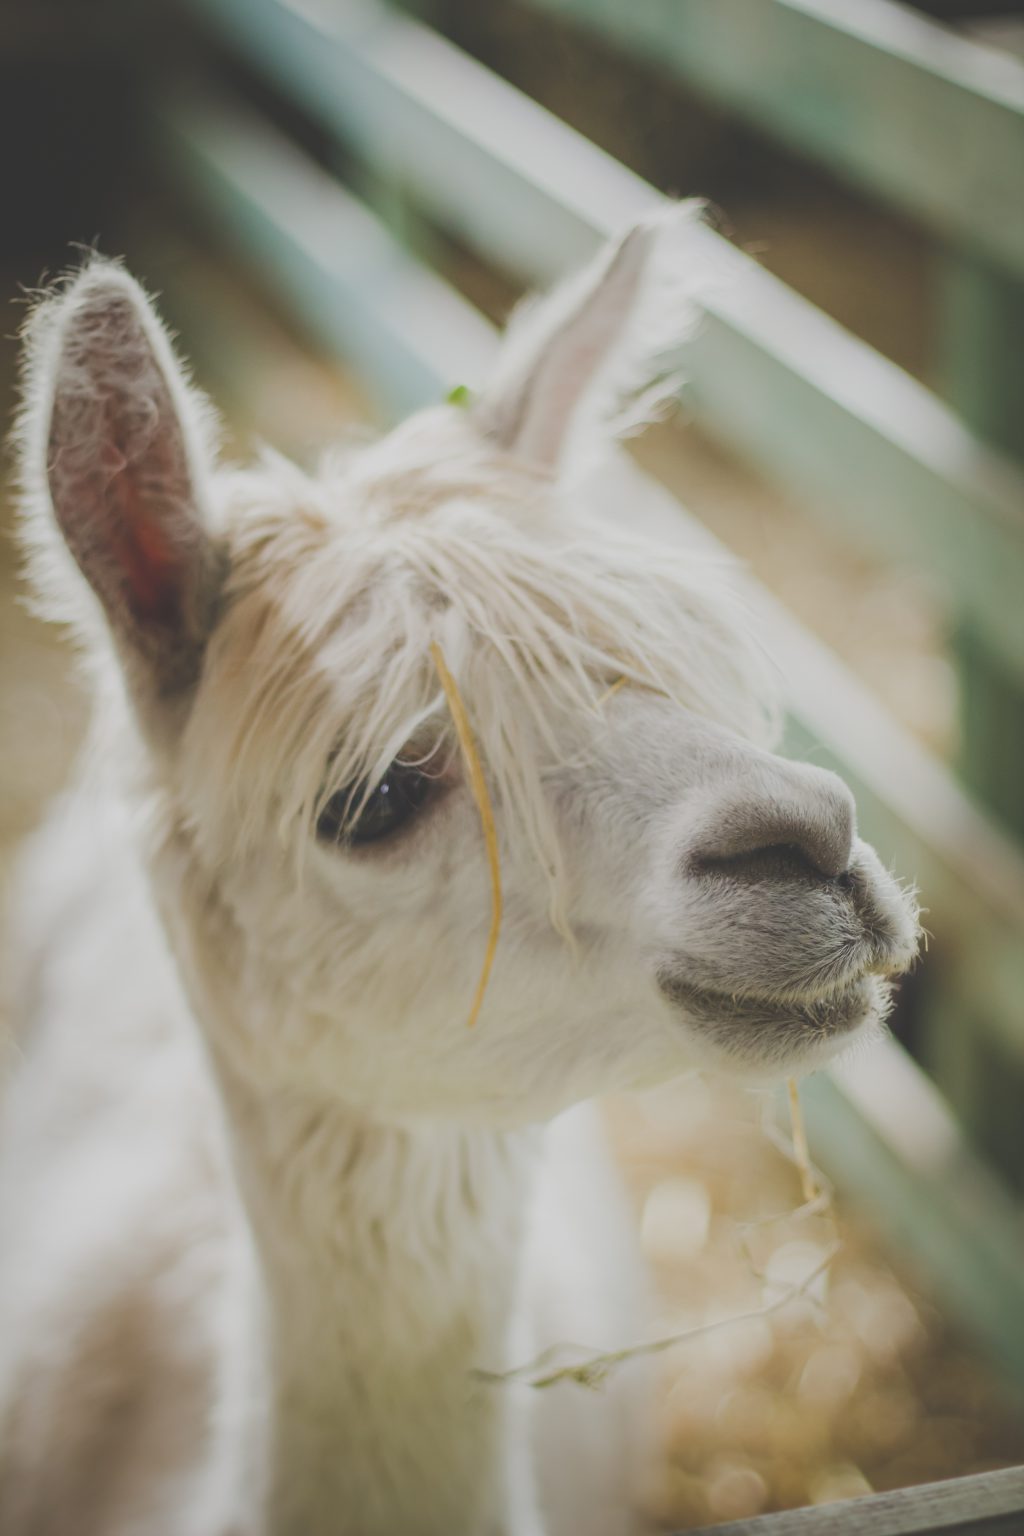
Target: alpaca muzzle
791	928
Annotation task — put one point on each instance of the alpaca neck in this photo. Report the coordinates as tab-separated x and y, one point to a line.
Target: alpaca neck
388	1260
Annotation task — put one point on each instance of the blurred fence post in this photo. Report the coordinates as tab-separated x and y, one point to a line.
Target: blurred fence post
980	344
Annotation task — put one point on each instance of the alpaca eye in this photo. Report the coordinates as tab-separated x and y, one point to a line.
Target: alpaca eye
395	800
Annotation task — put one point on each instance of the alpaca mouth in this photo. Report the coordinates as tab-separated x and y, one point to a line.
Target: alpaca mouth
770	1032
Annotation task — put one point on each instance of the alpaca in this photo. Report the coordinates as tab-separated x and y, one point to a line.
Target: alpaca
270	1209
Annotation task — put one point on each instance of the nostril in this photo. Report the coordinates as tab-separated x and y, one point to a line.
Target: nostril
797	823
778	861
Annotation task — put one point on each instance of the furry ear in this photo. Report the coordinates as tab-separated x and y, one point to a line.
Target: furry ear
112	441
588	360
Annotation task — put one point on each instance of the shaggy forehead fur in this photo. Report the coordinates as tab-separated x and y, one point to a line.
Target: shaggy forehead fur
319	673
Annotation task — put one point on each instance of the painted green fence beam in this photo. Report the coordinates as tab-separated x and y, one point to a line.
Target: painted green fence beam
769	373
912	1169
883	1132
981	311
333	262
916	113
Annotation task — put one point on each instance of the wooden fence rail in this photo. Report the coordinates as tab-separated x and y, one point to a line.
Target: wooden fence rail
912	112
767	371
933	123
909	111
990	1504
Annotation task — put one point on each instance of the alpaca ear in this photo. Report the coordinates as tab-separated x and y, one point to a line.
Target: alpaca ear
109	415
589	359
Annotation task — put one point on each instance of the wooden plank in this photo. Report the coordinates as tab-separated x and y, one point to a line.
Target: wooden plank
920	115
988	1504
910	806
768	372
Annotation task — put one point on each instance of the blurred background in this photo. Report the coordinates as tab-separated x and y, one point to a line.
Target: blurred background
335	201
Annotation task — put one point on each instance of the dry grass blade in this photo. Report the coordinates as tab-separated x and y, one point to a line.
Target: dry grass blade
478	785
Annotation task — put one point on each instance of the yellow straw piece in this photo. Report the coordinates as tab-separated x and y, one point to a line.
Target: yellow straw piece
620	682
800	1148
478	784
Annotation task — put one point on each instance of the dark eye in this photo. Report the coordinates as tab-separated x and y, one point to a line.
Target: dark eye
395	800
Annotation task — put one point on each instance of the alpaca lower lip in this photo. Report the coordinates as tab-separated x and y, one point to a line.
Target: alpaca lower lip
772	1027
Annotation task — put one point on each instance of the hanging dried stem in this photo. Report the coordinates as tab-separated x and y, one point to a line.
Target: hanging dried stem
800	1147
592	1371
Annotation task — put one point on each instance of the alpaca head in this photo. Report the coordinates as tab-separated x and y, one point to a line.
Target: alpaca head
674	893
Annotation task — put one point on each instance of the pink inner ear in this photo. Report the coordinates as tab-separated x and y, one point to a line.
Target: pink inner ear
149	564
570	341
119	468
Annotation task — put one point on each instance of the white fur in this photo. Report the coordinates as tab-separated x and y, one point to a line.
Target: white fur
267	1207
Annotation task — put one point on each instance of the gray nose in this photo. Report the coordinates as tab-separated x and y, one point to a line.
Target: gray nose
776	815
